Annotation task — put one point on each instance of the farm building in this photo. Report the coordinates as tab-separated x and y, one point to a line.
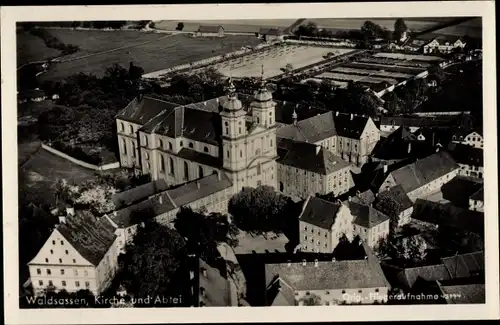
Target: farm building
210	31
443	45
271	34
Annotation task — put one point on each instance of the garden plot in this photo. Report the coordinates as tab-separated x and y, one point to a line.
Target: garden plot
275	60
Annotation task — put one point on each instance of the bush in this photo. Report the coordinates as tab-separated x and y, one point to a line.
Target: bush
77	153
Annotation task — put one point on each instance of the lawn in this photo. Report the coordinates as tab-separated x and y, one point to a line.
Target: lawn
39	174
163	53
414	24
235	26
31	48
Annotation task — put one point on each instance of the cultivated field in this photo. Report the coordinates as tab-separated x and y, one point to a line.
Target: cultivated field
275	59
234	26
164	52
414	24
472	28
31	48
43	170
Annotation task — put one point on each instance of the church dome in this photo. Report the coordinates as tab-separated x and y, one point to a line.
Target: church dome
232	104
263	95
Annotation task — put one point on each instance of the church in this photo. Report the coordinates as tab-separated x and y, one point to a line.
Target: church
182	143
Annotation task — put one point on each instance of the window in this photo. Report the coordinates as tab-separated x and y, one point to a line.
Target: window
77	283
145	140
76	272
122	127
133	149
131	128
146	155
205	149
239	130
270	121
62	271
51	251
227	130
50	283
241	153
124	145
200	172
60	260
63	283
129	230
359	291
171	162
343	291
87	284
186	170
191	145
258	119
376	290
66	251
53	242
170	146
181	143
271	142
162	163
258	169
307	293
49	272
228	154
74	261
85	273
40	282
327	292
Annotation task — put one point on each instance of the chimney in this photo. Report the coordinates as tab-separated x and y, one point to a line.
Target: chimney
289	263
316	262
358	193
294	117
202	291
337	113
62	219
204	271
304	263
160	199
217	100
409	147
349	199
198	185
70	211
318	148
191	275
385	168
333	259
205	103
352	116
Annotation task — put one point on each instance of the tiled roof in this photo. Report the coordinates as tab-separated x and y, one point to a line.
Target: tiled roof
448	215
200	157
465	294
158	205
217	292
398	194
424	171
465	265
479	195
367	197
319	212
400	145
366	216
209	29
90	236
280	294
327	275
428	273
305	156
142	111
139	193
420	121
378	176
323	126
198	189
465	154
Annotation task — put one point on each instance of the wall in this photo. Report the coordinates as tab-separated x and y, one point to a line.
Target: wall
432	186
79	162
107	268
475	205
405	217
471	171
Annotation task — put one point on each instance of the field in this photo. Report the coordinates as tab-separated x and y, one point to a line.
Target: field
234	26
275	59
472	28
414	24
43	170
164	52
31	48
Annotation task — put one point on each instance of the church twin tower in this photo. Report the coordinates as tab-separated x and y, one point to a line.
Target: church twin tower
249	145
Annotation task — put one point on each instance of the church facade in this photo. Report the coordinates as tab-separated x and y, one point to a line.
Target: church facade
182	143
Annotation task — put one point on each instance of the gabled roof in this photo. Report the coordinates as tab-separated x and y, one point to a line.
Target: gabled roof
465	154
271	31
366	216
367	197
448	215
465	265
140	111
479	195
319	212
307	156
92	237
428	273
424	171
209	29
139	193
280	294
421	121
464	294
217	291
398	194
401	144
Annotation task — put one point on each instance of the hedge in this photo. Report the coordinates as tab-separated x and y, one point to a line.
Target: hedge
77	153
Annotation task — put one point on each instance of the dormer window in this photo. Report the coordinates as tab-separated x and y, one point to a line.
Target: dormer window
131	128
191	145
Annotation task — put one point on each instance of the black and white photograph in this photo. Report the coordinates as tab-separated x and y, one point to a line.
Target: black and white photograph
252	162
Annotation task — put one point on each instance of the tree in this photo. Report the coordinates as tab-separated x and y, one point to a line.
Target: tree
311	300
289	67
392	208
152	263
412	248
180	26
399	28
349	249
392	103
95	194
260	209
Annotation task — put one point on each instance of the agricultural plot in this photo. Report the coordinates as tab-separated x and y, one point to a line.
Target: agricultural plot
275	60
472	28
230	26
412	57
356	78
414	24
31	48
366	72
163	53
391	68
